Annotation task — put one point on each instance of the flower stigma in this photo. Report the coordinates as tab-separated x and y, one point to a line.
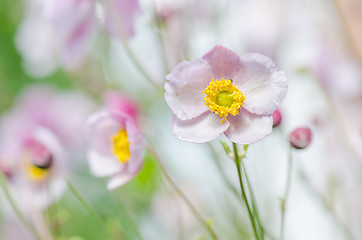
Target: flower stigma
120	146
223	98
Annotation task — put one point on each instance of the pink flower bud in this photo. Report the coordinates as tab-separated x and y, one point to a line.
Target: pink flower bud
300	138
277	118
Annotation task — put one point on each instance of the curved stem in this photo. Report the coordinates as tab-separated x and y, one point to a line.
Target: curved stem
286	194
253	201
237	162
18	213
138	65
183	196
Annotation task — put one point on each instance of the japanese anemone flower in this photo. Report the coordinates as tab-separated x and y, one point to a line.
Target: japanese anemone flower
225	93
34	165
116	144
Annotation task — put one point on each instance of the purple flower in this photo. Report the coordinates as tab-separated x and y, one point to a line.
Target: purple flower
225	93
116	146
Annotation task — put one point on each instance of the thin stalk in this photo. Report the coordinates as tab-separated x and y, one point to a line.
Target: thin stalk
17	211
183	196
138	65
286	194
237	162
253	201
91	211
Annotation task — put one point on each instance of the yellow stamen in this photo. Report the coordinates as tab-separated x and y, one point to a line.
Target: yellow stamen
223	98
36	173
121	146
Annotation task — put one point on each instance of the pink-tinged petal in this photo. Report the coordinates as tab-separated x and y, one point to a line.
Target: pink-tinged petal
224	62
183	92
247	128
103	165
120	15
204	128
262	84
136	147
116	101
100	128
119	179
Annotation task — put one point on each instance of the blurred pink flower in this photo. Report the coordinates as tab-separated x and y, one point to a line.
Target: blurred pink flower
34	165
42	106
203	92
116	145
58	32
300	138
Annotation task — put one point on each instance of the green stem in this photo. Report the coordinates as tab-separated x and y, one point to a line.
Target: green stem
18	213
91	211
183	196
237	162
253	201
286	194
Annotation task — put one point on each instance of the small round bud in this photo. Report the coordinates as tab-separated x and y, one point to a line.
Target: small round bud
277	118
300	138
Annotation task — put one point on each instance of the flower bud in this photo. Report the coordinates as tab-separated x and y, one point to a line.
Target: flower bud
300	138
277	118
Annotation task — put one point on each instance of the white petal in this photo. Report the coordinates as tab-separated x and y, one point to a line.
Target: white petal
183	92
201	129
103	165
262	84
247	128
119	179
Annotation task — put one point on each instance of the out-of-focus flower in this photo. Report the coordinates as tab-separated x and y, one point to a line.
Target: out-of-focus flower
116	144
35	170
300	138
277	118
43	106
58	32
225	93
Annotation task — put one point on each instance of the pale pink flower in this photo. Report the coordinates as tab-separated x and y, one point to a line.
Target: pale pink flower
116	146
225	93
34	165
300	138
58	32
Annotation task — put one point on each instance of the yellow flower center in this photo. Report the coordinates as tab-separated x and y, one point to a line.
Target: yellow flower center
120	146
223	98
36	173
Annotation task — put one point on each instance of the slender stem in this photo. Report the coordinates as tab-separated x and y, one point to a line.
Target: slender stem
286	194
18	213
138	65
85	204
253	201
183	196
237	162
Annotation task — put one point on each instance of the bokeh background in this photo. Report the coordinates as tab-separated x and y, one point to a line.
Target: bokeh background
317	43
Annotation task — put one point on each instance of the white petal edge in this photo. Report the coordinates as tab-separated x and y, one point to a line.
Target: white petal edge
119	179
102	165
247	128
262	84
183	92
204	128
